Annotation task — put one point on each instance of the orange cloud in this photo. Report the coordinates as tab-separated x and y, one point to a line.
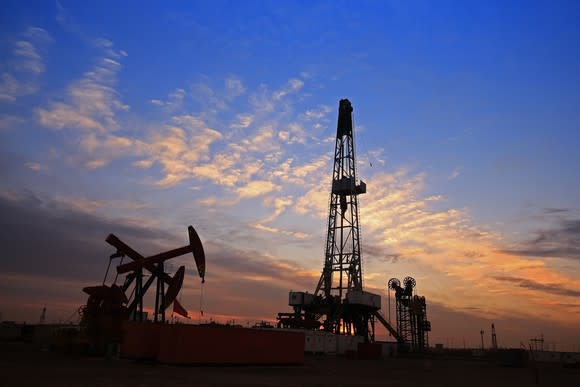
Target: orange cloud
449	251
257	188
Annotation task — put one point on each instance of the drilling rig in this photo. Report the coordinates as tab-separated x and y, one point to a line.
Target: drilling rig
339	304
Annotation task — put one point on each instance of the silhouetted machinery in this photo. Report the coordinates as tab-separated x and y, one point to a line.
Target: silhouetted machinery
108	306
339	304
412	323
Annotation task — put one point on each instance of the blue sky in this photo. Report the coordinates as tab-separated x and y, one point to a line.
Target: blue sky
146	117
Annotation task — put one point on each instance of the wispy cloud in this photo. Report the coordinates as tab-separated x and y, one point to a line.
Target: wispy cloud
556	289
234	87
173	102
313	202
257	188
554	210
243	121
280	204
29	50
91	103
562	241
455	174
294	134
217	98
293	234
90	110
10	88
252	150
31	60
22	68
319	113
37	167
292	86
179	147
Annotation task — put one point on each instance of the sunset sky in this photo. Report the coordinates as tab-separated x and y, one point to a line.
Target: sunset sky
139	118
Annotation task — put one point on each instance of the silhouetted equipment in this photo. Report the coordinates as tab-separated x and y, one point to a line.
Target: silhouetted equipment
103	315
412	323
108	306
481	333
537	344
154	265
42	319
195	247
493	337
339	304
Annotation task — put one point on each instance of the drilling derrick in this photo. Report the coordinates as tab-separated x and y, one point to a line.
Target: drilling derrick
341	284
342	266
339	302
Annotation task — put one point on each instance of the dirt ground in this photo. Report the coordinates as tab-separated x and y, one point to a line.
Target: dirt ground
28	365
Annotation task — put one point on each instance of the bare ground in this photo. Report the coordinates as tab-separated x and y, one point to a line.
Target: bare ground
28	365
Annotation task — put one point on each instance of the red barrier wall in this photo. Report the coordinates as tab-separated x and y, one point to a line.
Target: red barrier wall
189	344
140	340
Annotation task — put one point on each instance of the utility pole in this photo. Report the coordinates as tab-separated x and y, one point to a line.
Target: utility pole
481	333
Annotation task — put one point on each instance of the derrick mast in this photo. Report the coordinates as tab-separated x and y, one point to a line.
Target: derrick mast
339	303
342	270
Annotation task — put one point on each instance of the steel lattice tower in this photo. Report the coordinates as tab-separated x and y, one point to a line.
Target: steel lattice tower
339	303
412	325
342	271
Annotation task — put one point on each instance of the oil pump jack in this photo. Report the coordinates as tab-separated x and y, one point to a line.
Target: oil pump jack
339	304
109	306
